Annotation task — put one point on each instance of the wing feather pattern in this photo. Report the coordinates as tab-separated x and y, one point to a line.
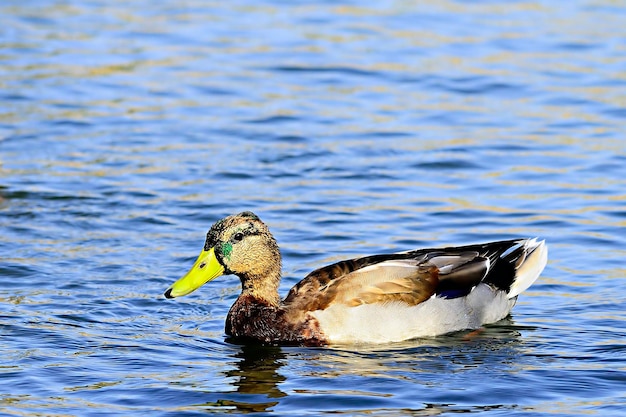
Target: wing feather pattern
412	277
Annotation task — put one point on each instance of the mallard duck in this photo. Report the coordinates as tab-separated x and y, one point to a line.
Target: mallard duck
374	299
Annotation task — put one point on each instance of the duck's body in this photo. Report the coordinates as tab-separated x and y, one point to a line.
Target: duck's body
375	299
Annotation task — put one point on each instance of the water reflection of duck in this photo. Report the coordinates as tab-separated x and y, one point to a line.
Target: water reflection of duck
492	347
257	371
374	299
256	375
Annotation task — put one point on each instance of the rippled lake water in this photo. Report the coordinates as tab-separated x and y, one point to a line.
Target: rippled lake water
128	127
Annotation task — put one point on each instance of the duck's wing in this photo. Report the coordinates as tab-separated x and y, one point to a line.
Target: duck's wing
511	266
355	282
415	276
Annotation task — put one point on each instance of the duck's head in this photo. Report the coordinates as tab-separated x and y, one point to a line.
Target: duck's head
242	245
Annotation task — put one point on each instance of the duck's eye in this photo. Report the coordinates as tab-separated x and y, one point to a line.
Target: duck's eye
238	237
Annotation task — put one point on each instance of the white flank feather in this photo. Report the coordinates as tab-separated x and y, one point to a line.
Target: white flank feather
395	321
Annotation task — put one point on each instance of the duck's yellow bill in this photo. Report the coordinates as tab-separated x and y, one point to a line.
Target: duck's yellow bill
205	269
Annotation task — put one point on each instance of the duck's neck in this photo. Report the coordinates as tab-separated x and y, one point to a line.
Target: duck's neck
264	289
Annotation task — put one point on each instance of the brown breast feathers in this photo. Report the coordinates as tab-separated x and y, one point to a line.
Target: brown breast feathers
250	319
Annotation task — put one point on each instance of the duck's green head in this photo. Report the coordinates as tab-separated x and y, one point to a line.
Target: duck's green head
240	244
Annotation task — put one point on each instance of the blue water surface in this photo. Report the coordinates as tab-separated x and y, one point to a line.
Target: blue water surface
128	127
